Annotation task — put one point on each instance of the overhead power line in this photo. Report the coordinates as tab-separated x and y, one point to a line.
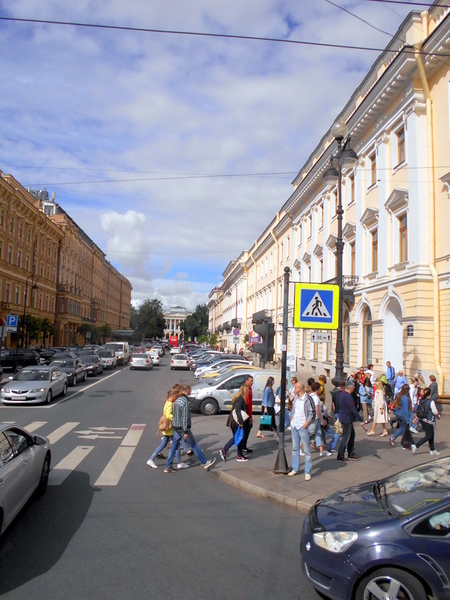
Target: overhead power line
407	49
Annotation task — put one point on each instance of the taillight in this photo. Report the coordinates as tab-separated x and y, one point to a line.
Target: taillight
147	362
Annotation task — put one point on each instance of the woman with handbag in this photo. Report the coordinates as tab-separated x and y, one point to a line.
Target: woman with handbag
167	433
237	420
268	422
402	410
380	409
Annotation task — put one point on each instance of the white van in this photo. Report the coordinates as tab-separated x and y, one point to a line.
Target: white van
211	397
122	350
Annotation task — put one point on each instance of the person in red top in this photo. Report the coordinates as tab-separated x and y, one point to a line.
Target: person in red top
249	422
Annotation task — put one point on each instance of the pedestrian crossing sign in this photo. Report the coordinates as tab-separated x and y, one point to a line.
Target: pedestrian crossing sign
316	306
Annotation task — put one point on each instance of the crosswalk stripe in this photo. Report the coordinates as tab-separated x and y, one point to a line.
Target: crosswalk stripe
35	425
134	435
64	468
61	431
116	466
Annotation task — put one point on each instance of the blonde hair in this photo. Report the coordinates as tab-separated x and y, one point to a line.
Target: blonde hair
242	392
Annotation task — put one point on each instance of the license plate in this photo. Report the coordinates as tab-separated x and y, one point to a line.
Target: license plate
15	397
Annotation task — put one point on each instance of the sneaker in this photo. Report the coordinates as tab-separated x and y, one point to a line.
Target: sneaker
151	464
434	453
292	473
302	453
328	453
182	466
169	470
413	430
209	463
307	477
413	448
246	451
223	454
392	441
161	455
189	452
354	457
241	458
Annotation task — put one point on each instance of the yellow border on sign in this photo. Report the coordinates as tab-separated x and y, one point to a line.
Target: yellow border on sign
326	287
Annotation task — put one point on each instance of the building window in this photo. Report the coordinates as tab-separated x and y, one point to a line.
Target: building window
9	254
41	269
27	262
351	185
403	238
373	169
352	259
309	226
300	234
16	296
281	252
288	243
401	155
7	293
320	215
375	251
19	257
11	223
367	337
2	217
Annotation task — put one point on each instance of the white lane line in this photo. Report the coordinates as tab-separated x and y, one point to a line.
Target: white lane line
65	467
61	431
34	425
134	435
116	466
91	385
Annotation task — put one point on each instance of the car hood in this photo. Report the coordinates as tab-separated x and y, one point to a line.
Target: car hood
352	508
22	386
68	370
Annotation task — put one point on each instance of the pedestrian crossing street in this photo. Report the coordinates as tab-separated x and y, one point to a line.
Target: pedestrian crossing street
113	471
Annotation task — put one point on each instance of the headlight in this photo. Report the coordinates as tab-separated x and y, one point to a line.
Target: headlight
335	541
194	393
37	391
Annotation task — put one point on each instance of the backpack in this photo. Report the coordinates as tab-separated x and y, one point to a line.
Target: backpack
423	408
312	425
164	423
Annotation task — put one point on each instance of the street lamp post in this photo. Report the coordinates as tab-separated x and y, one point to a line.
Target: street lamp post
345	158
35	287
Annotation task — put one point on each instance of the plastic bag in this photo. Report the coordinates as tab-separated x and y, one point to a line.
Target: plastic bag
238	436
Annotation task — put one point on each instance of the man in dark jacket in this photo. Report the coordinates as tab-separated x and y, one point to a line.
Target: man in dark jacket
347	415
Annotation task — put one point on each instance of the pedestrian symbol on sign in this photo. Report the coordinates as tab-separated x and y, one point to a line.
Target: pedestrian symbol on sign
316	308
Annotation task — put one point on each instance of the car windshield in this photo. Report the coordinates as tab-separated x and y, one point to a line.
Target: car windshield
33	375
412	490
106	353
115	346
64	363
180	357
89	358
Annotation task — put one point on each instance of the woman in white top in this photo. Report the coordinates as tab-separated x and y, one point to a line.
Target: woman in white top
380	409
414	395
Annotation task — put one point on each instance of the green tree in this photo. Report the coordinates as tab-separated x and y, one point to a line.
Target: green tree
92	329
148	320
196	324
105	332
48	330
213	339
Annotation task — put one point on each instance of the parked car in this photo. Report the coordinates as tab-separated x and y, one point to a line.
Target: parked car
72	367
141	361
384	539
179	361
34	385
211	396
93	364
17	359
155	357
108	358
122	350
220	363
24	469
46	355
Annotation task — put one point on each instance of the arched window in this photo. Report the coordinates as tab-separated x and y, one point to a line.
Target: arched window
367	337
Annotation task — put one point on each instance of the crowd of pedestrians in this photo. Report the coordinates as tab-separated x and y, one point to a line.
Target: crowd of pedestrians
389	401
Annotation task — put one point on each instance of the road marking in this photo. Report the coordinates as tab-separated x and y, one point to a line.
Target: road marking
70	396
134	435
61	431
35	425
116	466
96	436
64	468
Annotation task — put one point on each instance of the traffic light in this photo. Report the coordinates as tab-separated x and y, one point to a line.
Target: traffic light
267	332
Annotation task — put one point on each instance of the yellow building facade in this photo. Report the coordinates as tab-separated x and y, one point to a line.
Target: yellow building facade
50	269
396	258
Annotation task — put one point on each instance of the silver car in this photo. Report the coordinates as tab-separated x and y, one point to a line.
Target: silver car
179	361
35	385
155	357
141	361
24	467
108	358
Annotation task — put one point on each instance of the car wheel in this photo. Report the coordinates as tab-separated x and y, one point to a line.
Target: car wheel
64	392
392	583
209	406
43	481
48	399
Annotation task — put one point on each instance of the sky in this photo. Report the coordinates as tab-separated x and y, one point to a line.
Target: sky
173	152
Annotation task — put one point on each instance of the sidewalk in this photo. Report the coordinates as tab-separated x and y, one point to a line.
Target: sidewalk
378	460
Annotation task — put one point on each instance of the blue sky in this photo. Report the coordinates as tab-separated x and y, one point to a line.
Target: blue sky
155	143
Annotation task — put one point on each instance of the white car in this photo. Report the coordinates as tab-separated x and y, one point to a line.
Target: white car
179	361
141	361
24	468
175	350
155	357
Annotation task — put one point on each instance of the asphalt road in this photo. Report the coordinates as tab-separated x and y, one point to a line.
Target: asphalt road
111	528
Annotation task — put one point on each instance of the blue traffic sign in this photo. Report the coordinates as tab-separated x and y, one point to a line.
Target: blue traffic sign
316	306
12	320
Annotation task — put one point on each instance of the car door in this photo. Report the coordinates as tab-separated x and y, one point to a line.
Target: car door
58	380
17	472
227	390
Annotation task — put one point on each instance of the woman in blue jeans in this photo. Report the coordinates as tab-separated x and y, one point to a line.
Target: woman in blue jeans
402	410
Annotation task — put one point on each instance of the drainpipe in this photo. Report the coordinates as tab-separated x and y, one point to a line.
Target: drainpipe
432	196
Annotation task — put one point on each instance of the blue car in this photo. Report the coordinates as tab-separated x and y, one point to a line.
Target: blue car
385	539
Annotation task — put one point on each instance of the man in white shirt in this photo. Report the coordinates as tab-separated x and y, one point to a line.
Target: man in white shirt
301	417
